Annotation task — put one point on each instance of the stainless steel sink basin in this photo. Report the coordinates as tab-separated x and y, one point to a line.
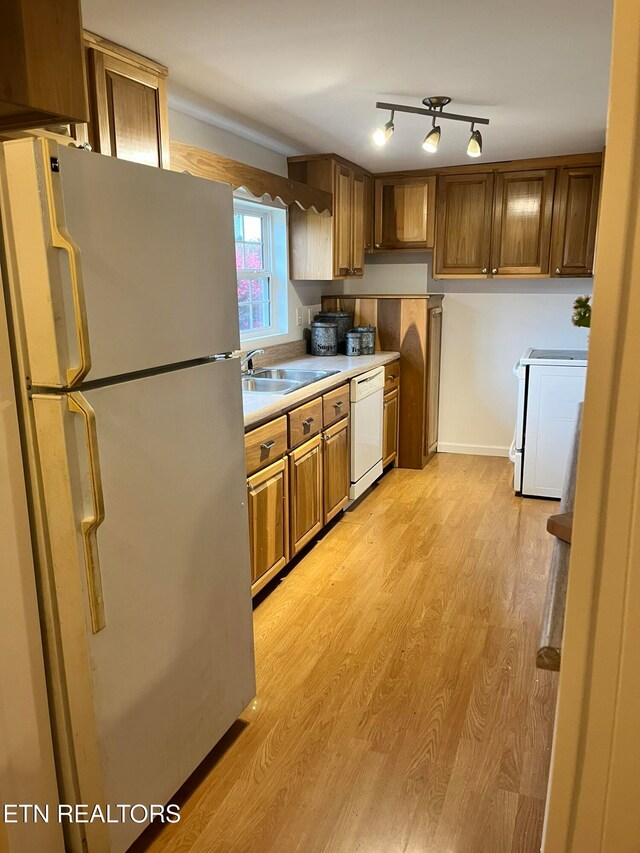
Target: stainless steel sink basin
303	377
280	380
268	386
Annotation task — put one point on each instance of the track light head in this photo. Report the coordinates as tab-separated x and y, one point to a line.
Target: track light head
474	148
432	139
382	134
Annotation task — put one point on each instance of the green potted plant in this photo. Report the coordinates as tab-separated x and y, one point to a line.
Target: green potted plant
582	312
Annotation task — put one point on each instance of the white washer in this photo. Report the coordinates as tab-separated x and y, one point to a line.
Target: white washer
366	430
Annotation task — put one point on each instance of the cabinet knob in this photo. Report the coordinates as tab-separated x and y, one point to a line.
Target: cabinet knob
590	272
484	269
557	270
494	270
377	245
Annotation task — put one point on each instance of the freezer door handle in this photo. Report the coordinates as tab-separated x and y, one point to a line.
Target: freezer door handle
79	405
61	240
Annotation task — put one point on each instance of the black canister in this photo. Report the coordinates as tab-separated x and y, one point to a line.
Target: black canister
353	343
343	319
324	338
367	339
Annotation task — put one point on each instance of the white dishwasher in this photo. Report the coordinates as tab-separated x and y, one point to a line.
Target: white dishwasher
366	430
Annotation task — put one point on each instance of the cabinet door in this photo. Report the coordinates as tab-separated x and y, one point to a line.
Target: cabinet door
268	502
368	213
390	409
463	225
522	223
404	214
129	110
433	380
575	218
342	207
357	224
305	493
336	468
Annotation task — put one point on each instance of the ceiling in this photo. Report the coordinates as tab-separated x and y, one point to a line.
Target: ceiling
305	77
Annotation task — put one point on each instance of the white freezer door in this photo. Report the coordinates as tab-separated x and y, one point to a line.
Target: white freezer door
167	666
153	272
553	394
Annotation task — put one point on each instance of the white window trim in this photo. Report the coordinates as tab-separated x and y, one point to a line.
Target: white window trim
277	269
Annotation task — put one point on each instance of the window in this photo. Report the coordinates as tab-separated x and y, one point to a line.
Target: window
252	228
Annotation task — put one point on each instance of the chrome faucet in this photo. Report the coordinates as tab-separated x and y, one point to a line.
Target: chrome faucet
248	360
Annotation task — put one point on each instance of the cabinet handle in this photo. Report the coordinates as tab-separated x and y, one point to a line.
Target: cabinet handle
377	245
391	377
557	270
307	424
338	405
267	445
494	271
484	269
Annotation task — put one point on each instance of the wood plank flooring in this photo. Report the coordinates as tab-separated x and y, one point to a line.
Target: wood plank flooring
399	709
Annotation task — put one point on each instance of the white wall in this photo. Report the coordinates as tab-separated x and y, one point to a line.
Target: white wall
487	325
302	296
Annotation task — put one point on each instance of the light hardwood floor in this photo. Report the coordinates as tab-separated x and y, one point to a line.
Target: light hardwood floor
399	709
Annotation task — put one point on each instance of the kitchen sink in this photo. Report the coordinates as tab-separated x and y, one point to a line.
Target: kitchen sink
268	386
280	380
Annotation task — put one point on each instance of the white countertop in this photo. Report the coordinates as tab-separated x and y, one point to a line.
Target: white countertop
259	407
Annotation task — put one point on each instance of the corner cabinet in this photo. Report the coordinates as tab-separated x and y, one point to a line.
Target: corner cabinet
128	104
412	326
404	213
323	247
575	220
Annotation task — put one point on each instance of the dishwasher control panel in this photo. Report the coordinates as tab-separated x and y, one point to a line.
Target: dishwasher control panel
367	383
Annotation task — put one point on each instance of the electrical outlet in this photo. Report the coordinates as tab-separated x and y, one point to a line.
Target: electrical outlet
299	320
310	315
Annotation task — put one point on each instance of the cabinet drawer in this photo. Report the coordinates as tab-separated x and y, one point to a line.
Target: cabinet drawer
305	421
265	444
335	405
391	376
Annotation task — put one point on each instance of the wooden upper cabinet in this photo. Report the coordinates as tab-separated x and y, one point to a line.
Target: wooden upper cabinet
522	223
368	213
404	213
463	225
42	78
574	221
129	116
324	247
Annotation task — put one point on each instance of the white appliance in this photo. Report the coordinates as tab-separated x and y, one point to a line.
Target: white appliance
366	430
550	387
121	282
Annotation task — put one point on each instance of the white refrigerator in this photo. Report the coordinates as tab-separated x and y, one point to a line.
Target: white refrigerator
120	281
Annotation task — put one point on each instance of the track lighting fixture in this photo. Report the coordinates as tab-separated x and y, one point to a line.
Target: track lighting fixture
382	134
432	139
474	148
434	107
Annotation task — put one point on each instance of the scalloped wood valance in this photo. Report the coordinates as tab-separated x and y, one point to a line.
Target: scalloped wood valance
204	164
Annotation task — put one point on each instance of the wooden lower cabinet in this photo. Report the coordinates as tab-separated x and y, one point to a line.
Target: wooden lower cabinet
268	502
336	466
390	410
305	493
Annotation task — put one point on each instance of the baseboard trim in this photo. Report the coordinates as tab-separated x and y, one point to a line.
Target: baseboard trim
472	449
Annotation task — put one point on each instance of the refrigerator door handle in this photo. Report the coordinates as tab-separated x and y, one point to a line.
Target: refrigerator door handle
61	240
78	404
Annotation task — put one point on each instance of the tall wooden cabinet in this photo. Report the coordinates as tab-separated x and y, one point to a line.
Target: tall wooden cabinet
322	247
408	325
128	104
575	220
404	213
